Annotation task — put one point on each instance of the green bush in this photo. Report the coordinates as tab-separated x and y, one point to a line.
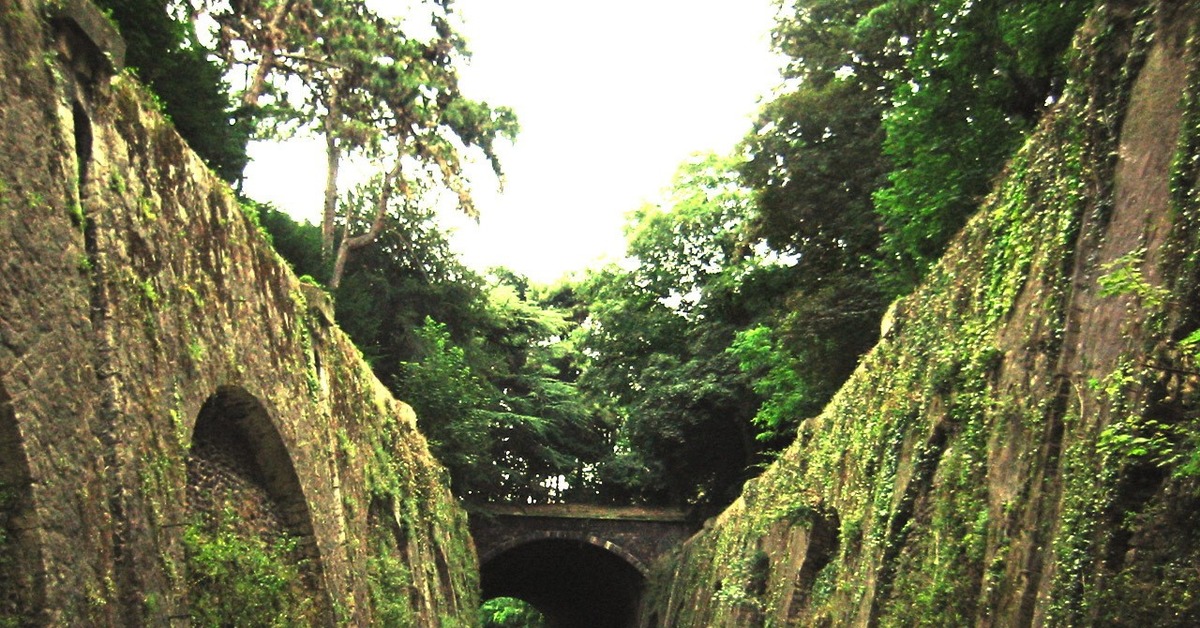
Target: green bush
510	612
238	578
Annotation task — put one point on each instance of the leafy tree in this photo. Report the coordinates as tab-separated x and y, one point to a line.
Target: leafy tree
548	437
816	158
901	109
409	275
776	378
298	243
451	402
656	341
979	77
509	424
489	365
898	116
371	89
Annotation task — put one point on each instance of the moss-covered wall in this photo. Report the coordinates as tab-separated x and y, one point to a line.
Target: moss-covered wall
1023	446
137	297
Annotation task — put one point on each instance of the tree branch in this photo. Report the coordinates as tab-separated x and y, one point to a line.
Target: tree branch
351	243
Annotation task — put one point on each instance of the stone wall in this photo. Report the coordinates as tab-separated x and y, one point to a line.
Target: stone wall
138	303
1023	445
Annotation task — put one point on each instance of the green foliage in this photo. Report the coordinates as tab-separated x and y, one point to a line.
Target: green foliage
1123	276
505	417
357	76
298	243
116	183
450	400
391	288
656	337
785	394
77	216
815	159
239	578
550	438
1137	439
1191	345
979	76
898	117
389	577
508	612
148	293
711	336
511	423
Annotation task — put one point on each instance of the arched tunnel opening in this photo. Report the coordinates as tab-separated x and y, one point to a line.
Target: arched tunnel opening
574	583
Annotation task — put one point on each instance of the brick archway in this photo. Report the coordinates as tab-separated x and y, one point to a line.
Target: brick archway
565	535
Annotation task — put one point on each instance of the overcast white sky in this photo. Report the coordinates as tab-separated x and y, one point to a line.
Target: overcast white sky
611	96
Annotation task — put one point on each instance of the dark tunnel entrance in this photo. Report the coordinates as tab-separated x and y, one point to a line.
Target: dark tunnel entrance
575	584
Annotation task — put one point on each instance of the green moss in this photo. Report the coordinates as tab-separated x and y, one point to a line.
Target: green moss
305	336
116	183
389	579
1124	276
148	293
77	215
196	350
35	201
195	297
147	209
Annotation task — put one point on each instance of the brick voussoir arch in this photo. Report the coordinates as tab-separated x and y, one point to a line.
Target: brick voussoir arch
565	535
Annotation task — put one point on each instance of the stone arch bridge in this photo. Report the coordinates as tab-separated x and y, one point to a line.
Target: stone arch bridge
580	565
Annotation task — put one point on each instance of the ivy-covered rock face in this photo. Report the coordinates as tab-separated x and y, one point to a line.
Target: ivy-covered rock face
1022	446
184	432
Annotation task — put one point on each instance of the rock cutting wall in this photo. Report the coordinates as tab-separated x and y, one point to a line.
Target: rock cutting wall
160	364
1023	446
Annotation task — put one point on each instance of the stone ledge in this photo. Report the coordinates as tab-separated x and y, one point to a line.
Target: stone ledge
581	511
95	26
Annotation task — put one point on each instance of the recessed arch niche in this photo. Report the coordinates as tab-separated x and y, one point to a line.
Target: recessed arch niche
21	574
243	489
574	582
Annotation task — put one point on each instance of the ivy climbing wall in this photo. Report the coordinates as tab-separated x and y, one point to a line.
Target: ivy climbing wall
184	433
1023	445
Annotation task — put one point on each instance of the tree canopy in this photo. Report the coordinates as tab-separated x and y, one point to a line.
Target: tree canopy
750	289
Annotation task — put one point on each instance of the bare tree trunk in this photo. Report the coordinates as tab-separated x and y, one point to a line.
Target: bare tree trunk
333	154
351	243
